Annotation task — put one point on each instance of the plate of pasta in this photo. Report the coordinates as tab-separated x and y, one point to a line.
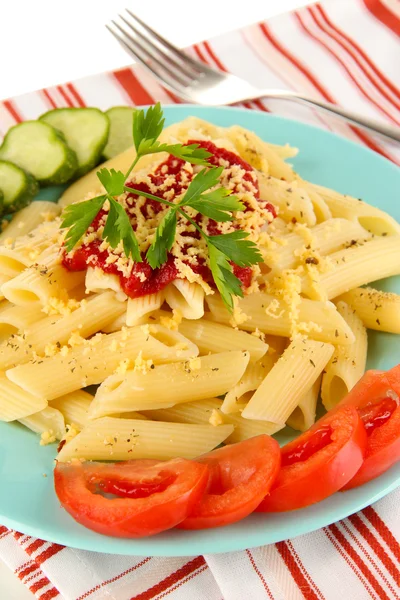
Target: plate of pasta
225	283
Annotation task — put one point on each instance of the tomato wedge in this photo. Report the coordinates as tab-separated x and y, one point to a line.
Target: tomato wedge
319	462
148	496
240	476
377	399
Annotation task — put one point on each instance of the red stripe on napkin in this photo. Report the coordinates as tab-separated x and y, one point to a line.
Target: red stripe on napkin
301	581
132	86
383	530
172	579
384	15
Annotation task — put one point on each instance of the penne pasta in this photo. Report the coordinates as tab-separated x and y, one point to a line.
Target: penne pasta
292	201
321	209
329	236
214	338
74	407
97	281
92	361
355	266
258	153
137	308
303	416
288	381
185	297
142	389
347	364
40	282
373	219
209	411
237	397
47	335
48	421
17	403
377	310
15	318
125	439
269	314
28	218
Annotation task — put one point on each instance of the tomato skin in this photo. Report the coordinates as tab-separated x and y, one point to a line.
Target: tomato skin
383	444
132	517
240	476
304	482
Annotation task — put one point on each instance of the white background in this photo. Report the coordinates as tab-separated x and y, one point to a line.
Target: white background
45	42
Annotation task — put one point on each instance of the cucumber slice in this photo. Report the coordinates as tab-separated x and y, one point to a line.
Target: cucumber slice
40	149
120	136
18	187
86	132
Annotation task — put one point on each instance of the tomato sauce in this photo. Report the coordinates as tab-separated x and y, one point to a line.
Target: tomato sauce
144	280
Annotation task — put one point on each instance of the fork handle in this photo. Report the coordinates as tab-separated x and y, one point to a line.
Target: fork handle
393	133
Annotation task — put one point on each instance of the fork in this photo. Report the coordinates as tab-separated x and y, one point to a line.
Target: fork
197	83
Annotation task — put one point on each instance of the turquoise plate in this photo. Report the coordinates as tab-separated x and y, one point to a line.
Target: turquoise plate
27	499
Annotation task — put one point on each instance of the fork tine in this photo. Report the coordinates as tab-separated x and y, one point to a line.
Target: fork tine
155	53
168	47
169	82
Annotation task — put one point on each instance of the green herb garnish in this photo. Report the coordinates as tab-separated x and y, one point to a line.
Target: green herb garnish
217	204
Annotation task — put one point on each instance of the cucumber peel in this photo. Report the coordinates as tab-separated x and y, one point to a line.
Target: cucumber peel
85	130
17	186
41	150
120	136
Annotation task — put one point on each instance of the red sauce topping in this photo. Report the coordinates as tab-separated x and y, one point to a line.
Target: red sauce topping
376	414
302	452
143	279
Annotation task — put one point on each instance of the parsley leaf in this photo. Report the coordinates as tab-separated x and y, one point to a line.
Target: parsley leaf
112	180
203	181
227	283
163	240
78	217
242	252
216	204
147	125
118	227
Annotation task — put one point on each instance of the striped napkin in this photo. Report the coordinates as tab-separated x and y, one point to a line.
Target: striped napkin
343	51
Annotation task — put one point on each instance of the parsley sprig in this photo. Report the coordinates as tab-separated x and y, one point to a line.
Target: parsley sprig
202	195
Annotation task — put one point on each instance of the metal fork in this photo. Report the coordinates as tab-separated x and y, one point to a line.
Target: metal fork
198	83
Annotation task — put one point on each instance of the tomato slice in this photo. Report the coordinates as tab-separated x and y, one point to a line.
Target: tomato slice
148	496
240	476
378	404
319	462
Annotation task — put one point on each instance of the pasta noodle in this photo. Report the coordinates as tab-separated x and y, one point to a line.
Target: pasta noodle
373	219
237	397
355	266
91	362
74	407
327	237
47	421
52	332
28	218
288	381
303	416
293	202
186	297
209	411
213	337
125	439
142	306
377	310
15	318
142	389
347	364
17	403
269	314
